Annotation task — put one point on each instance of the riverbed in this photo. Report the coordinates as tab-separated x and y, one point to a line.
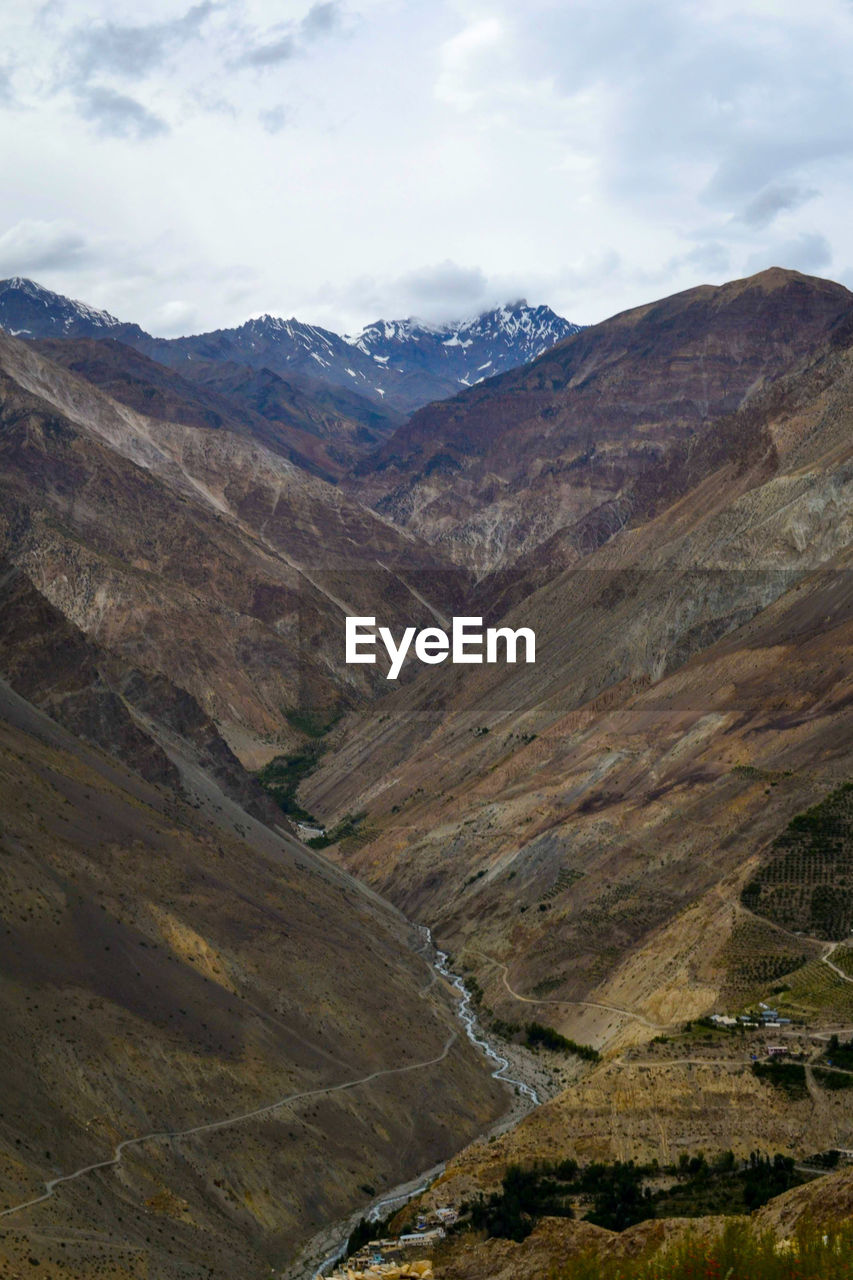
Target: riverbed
328	1246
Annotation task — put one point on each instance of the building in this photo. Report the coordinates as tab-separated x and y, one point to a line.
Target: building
415	1238
446	1216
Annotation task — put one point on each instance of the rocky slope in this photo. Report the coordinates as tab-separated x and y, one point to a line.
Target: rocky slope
195	552
169	963
580	444
667	501
171	958
584	820
256	405
132	715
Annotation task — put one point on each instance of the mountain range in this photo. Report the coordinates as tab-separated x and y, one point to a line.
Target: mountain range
616	841
397	366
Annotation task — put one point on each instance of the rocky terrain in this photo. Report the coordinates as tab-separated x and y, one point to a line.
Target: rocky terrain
197	552
586	819
612	841
597	433
169	963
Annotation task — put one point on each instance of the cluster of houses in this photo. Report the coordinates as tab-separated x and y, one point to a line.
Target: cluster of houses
766	1018
420	1269
391	1257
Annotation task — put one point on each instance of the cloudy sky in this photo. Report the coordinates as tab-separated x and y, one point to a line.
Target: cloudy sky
187	166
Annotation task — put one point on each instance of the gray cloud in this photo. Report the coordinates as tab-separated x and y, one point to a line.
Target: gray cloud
32	246
773	200
132	51
274	120
436	293
117	115
748	166
808	252
288	41
7	95
321	18
268	55
447	284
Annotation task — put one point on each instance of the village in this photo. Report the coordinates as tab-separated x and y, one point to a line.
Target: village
399	1257
761	1034
766	1018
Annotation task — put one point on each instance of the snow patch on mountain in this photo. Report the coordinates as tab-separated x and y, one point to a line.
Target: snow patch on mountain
28	309
401	363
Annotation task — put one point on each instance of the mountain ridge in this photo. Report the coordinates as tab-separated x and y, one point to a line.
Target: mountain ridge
396	365
566	445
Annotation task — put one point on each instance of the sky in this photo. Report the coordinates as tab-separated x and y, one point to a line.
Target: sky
187	166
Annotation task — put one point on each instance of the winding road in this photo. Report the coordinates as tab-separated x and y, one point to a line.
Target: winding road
629	1013
174	1135
467	1017
834	967
579	1004
439	967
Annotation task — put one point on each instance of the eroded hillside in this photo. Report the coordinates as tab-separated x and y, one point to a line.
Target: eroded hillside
172	963
580	442
591	820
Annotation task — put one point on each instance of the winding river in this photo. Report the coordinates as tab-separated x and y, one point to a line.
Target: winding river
406	1191
468	1018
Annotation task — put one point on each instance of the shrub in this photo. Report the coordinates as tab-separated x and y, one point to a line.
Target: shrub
537	1034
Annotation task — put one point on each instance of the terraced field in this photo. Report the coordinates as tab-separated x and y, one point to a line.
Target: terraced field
806	882
842	957
759	957
815	990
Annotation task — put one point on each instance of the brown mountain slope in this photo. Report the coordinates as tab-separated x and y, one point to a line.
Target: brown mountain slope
254	403
583	819
348	424
126	712
196	553
570	442
166	966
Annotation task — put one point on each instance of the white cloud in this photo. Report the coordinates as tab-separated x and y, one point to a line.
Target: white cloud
807	252
176	317
462	59
341	161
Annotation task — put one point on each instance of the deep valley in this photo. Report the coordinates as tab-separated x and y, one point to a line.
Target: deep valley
221	843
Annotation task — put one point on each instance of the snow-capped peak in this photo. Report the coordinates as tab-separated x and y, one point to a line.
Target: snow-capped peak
398	364
466	350
27	307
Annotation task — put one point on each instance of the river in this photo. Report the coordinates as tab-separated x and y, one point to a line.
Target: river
336	1236
468	1018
